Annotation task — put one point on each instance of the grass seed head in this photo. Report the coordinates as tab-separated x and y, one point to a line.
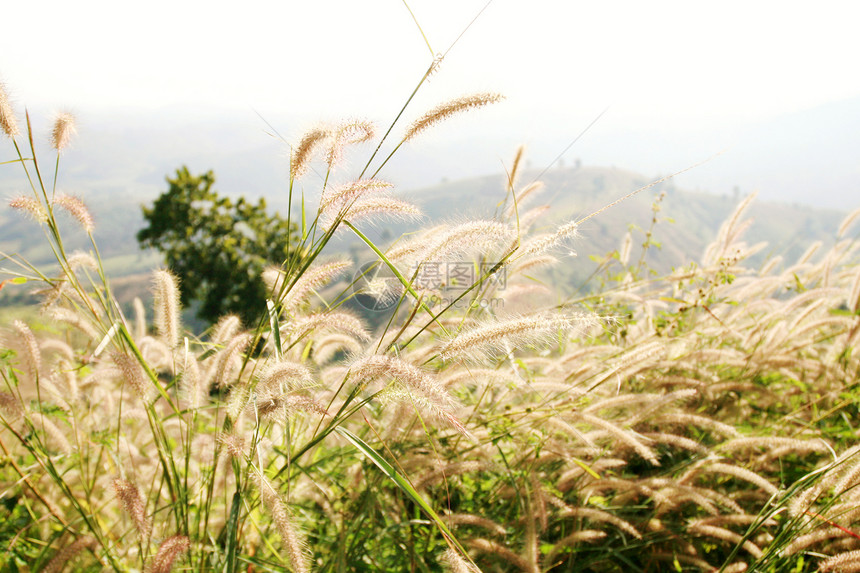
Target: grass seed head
77	209
133	504
133	374
303	152
284	523
8	123
383	205
343	196
168	551
166	306
31	207
64	129
446	110
62	557
348	133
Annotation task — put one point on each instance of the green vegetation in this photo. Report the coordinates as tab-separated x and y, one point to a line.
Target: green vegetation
701	419
217	248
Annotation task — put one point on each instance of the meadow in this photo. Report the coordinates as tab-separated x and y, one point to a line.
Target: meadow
697	420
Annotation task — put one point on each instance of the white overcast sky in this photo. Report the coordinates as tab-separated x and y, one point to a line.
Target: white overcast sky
656	63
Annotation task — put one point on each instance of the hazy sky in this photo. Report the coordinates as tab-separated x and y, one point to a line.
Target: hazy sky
656	63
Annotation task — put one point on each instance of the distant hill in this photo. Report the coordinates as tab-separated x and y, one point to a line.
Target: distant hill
688	220
572	192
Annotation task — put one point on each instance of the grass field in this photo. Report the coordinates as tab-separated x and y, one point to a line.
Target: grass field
699	419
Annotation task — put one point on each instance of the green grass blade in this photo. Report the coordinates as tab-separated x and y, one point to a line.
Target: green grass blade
401	482
276	331
231	531
304	219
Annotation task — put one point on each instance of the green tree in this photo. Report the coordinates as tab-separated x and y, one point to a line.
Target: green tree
217	247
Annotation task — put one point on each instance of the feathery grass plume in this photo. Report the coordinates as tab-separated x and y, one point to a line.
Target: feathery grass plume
57	436
301	155
342	196
854	293
468	237
75	319
225	364
326	347
515	166
701	529
626	437
234	444
294	402
77	209
775	444
546	242
336	321
518	331
847	222
269	403
384	205
645	412
801	542
283	522
406	249
593	514
741	473
685	419
191	383
286	375
225	329
8	123
676	441
446	110
476	520
31	207
58	562
730	231
311	279
10	407
457	564
64	129
348	133
807	255
378	366
770	266
499	550
575	538
168	551
528	218
133	374
523	197
82	260
847	474
238	399
132	502
30	354
737	519
166	306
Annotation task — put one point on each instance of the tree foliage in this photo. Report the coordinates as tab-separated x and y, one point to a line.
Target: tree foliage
217	247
